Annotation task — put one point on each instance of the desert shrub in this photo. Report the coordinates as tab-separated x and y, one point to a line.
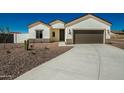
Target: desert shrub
33	53
31	46
46	48
8	51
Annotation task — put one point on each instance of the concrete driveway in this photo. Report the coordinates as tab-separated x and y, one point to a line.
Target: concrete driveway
83	62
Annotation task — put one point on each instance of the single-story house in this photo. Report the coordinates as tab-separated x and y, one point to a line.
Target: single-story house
86	29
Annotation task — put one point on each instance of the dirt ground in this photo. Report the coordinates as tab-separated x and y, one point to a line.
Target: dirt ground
14	60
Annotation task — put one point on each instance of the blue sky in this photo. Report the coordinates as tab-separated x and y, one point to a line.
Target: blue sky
18	22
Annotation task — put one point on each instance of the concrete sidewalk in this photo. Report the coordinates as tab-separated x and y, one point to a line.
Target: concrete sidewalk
83	62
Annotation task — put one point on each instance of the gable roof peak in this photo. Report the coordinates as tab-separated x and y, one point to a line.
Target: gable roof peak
37	23
87	16
56	21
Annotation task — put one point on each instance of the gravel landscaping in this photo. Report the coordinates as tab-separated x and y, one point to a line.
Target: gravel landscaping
14	60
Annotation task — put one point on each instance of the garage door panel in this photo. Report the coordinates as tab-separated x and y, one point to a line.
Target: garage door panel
89	31
81	37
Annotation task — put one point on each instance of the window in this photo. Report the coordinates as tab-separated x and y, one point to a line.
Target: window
39	33
53	34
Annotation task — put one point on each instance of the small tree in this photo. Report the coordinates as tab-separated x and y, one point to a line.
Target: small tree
4	31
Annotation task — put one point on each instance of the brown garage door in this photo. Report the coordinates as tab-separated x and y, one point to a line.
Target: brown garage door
88	36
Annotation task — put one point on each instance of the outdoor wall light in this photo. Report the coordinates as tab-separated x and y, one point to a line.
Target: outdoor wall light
69	31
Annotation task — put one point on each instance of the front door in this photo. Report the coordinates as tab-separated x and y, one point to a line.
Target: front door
62	35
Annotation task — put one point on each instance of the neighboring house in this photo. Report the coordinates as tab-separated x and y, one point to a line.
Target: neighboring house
86	29
117	32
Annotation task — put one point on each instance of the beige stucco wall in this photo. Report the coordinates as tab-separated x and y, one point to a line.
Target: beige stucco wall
46	31
87	24
20	38
56	38
58	25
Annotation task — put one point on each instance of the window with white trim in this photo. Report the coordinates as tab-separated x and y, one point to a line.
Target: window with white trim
39	34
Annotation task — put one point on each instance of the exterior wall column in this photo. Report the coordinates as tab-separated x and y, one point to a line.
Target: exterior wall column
104	37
